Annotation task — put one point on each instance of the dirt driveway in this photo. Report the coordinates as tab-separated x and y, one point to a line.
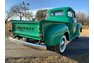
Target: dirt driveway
76	52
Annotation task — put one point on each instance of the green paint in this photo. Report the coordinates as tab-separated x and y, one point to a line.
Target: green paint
52	28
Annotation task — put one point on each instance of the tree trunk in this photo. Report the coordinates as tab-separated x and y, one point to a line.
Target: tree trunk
20	18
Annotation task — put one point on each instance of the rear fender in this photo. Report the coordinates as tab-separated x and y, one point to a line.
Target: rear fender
54	33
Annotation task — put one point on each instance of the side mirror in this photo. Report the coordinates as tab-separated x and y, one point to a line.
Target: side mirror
70	14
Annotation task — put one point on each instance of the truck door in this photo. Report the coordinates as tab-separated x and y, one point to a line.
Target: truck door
71	15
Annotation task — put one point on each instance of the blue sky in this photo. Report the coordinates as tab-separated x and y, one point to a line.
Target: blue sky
78	5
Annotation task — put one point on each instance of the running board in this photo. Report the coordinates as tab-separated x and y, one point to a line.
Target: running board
27	43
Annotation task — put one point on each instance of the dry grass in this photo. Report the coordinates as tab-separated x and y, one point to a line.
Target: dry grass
50	59
85	32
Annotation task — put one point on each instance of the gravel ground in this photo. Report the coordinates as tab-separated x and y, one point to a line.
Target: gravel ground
76	52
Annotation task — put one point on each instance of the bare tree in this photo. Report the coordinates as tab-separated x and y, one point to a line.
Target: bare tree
87	20
9	14
20	10
28	15
81	17
41	14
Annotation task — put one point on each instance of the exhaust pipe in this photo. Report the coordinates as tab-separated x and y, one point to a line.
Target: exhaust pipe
27	43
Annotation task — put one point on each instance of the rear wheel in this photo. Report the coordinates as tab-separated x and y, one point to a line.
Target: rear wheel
61	47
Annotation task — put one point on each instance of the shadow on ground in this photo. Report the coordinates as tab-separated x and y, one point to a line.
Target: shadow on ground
78	50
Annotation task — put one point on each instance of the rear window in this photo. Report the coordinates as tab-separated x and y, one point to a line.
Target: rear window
57	13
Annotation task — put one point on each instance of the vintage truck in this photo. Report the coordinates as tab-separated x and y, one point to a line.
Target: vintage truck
55	31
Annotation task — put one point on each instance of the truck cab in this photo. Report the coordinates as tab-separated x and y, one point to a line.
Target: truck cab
54	31
65	15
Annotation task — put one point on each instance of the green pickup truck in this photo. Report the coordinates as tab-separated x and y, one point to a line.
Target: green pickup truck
55	31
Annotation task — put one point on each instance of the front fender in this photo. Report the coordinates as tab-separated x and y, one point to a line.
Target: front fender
78	28
54	33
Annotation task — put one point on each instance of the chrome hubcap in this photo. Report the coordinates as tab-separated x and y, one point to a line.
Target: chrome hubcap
62	44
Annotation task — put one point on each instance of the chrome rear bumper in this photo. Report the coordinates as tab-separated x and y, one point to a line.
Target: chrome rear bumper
27	43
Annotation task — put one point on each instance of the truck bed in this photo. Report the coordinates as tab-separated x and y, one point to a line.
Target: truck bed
27	29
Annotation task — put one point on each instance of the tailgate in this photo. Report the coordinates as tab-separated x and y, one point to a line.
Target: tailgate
26	29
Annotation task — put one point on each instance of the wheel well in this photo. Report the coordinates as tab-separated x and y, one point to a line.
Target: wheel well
67	35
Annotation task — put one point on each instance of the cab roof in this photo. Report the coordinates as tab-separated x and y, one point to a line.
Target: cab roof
61	8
